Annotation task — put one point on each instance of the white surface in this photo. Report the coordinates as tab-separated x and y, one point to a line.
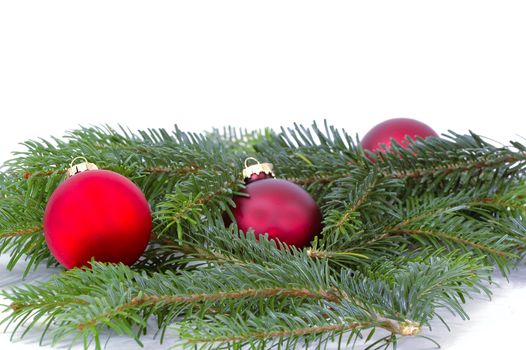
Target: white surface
452	64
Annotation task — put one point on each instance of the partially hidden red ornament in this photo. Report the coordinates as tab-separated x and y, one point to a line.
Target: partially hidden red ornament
397	129
278	207
96	214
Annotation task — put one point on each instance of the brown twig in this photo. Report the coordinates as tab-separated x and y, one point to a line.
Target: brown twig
19	306
357	204
22	232
478	164
190	169
201	253
194	298
321	179
198	201
448	237
256	293
404	328
27	175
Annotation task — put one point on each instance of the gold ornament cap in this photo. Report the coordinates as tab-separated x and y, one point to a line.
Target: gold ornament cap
80	167
256	169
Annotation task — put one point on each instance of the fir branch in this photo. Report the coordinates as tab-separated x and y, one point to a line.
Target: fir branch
240	140
144	300
443	220
465	221
405	328
365	294
219	244
444	164
108	295
358	202
194	200
114	296
22	238
354	201
448	236
308	156
451	163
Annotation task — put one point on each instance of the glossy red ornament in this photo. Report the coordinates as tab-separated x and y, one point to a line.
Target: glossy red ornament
280	208
397	129
99	214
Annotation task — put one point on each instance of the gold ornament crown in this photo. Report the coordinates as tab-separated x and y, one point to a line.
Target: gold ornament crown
80	167
257	168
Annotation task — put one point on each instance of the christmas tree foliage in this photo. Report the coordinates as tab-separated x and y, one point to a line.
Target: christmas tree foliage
407	236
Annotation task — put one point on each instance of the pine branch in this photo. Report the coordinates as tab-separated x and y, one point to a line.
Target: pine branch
453	162
308	156
400	224
358	310
84	302
316	158
109	295
21	239
462	222
355	200
238	140
195	199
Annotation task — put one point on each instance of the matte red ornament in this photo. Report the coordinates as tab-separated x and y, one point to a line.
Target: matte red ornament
97	214
397	129
278	207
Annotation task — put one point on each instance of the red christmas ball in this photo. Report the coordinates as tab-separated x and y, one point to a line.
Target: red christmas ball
97	214
280	208
397	129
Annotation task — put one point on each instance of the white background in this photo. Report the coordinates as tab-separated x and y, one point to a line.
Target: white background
453	64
